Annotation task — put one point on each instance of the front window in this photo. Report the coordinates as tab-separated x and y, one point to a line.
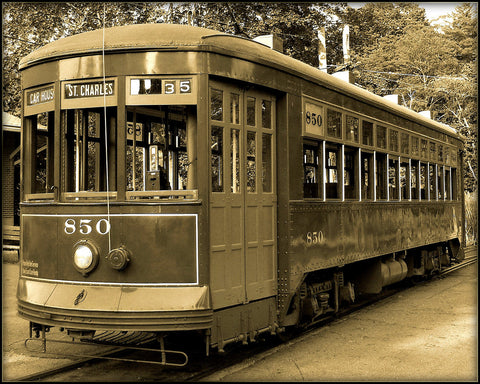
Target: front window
157	157
89	150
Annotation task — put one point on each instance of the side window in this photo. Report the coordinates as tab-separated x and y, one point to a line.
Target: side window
381	176
432	172
415	146
414	179
352	124
334	123
393	179
404	181
332	164
393	140
404	143
423	181
311	174
440	182
367	133
448	184
350	177
455	194
423	149
433	152
367	175
381	137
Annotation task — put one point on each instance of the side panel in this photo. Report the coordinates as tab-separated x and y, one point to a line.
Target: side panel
325	235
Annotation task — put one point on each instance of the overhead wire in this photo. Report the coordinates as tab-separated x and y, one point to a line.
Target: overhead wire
106	132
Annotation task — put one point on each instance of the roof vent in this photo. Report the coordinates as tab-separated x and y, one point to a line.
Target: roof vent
272	41
426	114
393	98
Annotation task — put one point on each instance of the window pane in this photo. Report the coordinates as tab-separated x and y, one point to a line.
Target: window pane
267	162
352	128
367	133
381	137
367	176
404	143
310	170
393	140
216	104
440	153
331	168
440	182
415	149
423	181
448	195
433	152
433	179
86	157
42	128
423	148
234	108
413	178
251	161
403	180
251	111
135	182
266	114
216	143
235	161
334	123
350	161
392	179
381	176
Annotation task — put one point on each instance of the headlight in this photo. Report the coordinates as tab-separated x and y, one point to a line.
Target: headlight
85	257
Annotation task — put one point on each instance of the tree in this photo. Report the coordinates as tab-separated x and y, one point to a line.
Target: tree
27	26
375	21
430	69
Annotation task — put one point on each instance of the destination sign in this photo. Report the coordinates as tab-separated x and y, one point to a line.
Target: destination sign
90	89
39	96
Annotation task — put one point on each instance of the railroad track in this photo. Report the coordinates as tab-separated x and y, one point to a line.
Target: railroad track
198	369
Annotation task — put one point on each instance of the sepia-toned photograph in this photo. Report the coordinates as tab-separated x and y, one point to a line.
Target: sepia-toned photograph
239	192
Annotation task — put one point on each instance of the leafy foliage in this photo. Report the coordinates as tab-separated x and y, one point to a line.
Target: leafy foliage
429	69
393	47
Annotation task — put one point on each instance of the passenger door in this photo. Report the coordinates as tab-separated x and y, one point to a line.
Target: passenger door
243	195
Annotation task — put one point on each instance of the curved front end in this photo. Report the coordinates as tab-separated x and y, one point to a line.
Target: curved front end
149	283
96	307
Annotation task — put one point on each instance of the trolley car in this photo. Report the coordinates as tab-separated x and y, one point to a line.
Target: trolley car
175	178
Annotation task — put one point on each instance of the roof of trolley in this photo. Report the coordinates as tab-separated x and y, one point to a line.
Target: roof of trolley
183	37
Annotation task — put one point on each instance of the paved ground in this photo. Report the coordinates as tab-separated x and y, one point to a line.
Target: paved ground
428	333
17	361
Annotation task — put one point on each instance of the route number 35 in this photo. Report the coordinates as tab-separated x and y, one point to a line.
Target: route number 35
86	226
